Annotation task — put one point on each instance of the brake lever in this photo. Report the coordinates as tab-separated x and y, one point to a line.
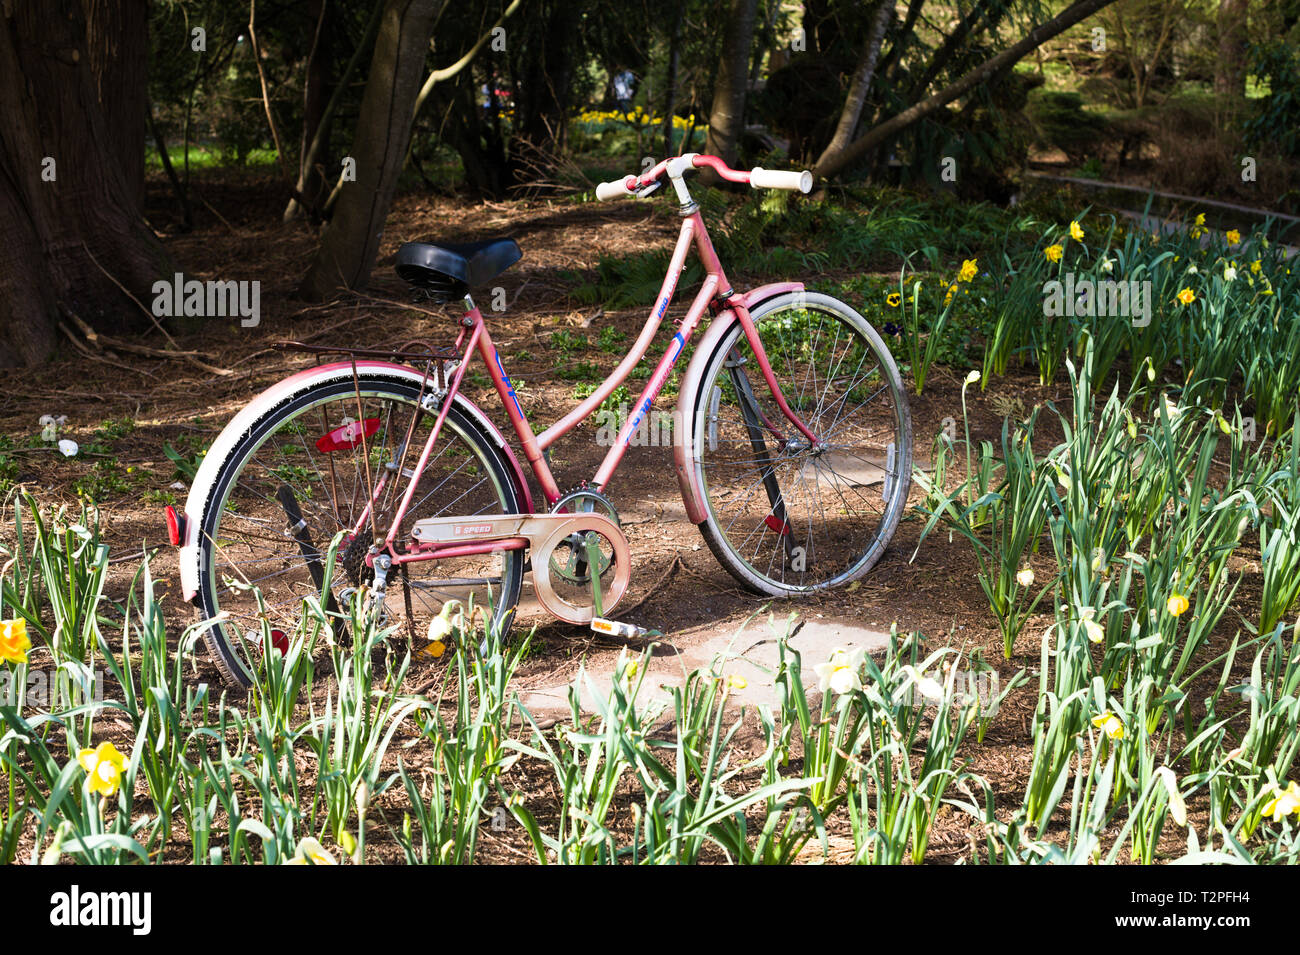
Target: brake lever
647	190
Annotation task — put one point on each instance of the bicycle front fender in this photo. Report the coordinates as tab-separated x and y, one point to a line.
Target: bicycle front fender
684	450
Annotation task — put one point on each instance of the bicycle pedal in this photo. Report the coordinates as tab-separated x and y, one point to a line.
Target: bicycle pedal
613	628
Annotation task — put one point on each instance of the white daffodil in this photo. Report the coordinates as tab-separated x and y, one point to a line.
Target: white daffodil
1026	577
446	627
1229	273
927	686
1091	628
1177	807
311	852
68	447
972	376
840	672
1107	266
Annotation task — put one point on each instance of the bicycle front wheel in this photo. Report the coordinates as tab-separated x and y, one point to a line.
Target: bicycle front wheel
299	477
783	515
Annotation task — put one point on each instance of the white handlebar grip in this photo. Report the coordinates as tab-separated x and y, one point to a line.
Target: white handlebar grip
761	178
613	190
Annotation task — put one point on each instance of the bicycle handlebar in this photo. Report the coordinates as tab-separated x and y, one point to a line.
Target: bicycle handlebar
757	178
614	190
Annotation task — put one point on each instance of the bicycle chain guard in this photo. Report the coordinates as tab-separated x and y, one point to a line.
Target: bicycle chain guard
544	532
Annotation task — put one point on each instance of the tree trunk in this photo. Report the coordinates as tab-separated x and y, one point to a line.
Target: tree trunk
727	115
315	97
861	85
951	45
63	198
1230	68
547	69
117	45
831	165
314	154
350	242
670	79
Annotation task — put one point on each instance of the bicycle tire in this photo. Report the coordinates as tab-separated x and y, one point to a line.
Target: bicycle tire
769	541
486	486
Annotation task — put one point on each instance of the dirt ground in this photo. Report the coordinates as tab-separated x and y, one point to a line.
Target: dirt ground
934	590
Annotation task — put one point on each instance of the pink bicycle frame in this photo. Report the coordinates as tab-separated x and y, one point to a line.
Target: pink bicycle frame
474	336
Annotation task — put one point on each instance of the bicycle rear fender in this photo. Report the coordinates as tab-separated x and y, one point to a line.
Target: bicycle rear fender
683	454
204	486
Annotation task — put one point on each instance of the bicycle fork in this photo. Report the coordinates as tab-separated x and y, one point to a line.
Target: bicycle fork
755	426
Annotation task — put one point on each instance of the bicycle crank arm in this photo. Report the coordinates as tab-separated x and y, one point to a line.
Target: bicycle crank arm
544	532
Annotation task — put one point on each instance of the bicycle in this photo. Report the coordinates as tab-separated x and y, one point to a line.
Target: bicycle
795	490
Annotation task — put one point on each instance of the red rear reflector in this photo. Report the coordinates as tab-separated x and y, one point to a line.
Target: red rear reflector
778	526
280	641
346	436
173	526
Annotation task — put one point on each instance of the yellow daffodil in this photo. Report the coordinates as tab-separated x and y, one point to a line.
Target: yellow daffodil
1110	724
840	673
893	299
1200	218
1177	605
737	682
1187	296
104	766
968	271
631	667
14	642
1026	577
1284	802
1256	266
1053	253
1076	231
310	852
1233	236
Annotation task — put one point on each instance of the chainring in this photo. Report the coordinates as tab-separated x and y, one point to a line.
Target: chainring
569	559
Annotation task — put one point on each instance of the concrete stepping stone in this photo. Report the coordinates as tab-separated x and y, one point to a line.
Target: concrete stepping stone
750	653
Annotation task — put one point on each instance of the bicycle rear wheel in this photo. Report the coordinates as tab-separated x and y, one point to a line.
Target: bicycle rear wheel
782	516
298	478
